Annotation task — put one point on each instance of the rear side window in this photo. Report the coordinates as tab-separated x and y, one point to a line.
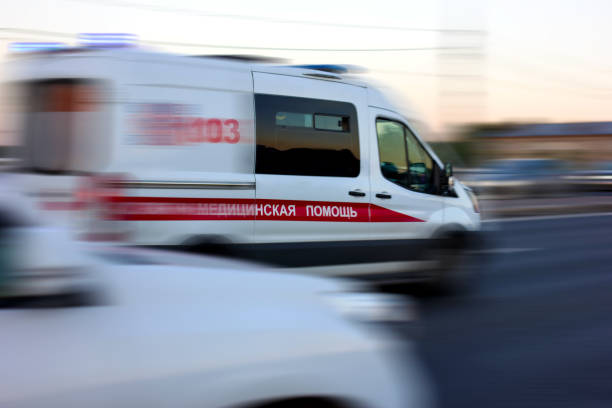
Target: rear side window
332	122
306	137
294	119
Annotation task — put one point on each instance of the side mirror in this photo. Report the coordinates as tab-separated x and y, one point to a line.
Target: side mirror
448	181
448	169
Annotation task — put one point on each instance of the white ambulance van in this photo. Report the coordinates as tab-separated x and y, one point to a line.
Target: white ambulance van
297	166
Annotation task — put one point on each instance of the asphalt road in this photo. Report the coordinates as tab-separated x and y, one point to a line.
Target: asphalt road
537	331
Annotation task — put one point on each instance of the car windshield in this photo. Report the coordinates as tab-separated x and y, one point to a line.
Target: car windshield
123	258
522	165
605	166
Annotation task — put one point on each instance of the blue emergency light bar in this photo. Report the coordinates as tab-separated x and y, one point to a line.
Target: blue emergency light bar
335	68
23	47
107	40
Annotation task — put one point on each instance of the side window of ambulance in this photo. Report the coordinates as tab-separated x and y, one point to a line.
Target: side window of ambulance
403	160
306	137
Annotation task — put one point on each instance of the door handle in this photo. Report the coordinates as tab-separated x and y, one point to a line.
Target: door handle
383	195
357	193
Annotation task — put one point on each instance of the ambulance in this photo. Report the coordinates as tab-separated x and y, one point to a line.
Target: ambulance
300	166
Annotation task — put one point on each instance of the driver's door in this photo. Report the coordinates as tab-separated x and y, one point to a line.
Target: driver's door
402	179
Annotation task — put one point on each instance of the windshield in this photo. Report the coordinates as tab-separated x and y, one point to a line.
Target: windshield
65	126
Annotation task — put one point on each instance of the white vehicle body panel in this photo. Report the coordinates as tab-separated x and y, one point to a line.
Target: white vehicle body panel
314	188
181	144
178	336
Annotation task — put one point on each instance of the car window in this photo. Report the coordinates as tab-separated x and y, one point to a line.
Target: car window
9	221
392	151
336	123
606	166
119	258
294	119
5	254
306	137
421	168
403	160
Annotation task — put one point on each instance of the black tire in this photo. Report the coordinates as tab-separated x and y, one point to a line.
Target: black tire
457	270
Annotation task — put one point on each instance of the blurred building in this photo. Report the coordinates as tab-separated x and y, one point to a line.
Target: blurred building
576	142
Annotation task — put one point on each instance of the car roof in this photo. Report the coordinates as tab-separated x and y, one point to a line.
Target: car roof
375	96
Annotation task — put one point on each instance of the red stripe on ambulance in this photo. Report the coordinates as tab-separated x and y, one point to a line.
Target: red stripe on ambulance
184	209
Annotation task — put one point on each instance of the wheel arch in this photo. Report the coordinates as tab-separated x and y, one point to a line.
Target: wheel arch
308	401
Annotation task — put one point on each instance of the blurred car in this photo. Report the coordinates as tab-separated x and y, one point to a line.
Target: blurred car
511	177
597	178
115	326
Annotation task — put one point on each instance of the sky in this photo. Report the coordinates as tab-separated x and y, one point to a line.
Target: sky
519	60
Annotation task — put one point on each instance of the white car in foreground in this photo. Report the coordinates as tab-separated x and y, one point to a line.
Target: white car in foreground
137	328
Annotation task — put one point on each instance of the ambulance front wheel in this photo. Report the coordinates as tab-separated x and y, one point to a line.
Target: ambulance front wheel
457	265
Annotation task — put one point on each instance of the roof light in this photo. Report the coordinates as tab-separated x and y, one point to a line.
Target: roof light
107	40
23	47
335	68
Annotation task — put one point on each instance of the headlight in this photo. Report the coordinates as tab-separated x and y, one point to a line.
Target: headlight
473	199
373	307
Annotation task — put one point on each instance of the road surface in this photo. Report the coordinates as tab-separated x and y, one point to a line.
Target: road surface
537	332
